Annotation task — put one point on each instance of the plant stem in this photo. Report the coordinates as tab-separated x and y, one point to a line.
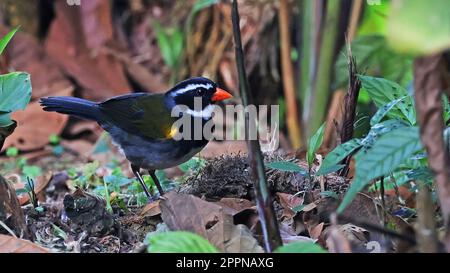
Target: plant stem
319	95
429	78
267	217
292	120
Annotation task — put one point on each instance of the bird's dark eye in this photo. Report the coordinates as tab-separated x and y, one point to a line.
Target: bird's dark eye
200	92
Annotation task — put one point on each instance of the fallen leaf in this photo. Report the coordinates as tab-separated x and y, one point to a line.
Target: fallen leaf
241	240
288	201
316	231
9	244
234	205
151	209
74	40
190	213
34	127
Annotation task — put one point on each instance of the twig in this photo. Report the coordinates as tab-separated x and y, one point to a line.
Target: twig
426	234
350	102
7	229
292	119
354	18
267	217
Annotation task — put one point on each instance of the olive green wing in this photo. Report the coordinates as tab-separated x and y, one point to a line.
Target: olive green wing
140	114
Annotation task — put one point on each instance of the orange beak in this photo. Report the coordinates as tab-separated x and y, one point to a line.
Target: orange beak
220	94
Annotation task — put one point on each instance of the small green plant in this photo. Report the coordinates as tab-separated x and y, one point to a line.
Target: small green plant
300	247
15	94
313	145
178	242
12	152
392	150
88	176
29	189
55	142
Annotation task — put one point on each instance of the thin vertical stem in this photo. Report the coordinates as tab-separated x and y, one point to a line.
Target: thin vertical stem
292	119
267	217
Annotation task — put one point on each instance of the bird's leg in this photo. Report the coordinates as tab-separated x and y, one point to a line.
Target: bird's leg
139	177
156	181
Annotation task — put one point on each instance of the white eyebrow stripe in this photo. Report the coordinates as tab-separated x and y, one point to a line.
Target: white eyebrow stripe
192	86
205	113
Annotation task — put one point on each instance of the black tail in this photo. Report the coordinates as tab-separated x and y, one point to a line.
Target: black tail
72	106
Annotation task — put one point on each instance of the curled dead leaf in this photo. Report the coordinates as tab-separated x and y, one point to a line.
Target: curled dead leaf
9	244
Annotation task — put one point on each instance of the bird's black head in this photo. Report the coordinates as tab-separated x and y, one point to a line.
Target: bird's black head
197	94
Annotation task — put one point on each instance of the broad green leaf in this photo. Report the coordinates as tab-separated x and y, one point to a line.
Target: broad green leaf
329	169
374	57
5	40
287	166
300	247
314	144
395	179
380	129
374	18
178	242
386	154
337	155
419	27
383	91
381	113
15	94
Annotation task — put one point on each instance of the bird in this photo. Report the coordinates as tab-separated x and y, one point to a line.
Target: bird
140	123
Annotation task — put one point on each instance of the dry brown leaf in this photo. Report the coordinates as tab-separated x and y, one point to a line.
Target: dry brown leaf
9	244
26	54
288	201
316	231
235	205
190	213
241	240
34	127
74	39
151	209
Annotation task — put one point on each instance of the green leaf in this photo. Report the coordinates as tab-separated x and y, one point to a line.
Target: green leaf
31	171
300	247
381	113
419	27
164	45
333	158
386	154
374	57
395	179
329	169
383	91
374	18
314	144
178	242
380	129
12	152
5	40
331	194
287	166
15	94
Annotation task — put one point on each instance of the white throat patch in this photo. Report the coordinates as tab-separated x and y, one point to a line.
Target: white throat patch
205	113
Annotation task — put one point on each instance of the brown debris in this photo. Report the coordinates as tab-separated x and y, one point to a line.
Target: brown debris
11	213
